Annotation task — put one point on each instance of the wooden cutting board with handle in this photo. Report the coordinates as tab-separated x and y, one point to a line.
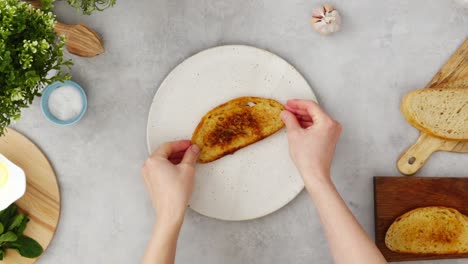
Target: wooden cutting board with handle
453	74
81	39
41	201
394	196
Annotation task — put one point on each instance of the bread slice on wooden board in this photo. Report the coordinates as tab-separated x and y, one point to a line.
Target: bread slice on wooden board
439	112
236	124
429	230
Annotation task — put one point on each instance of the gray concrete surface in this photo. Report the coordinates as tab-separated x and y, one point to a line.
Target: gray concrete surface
385	49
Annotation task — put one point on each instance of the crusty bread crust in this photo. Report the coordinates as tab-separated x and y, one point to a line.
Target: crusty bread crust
236	124
408	112
429	230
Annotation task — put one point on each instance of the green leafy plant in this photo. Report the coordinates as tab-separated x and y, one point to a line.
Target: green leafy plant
12	226
88	6
29	49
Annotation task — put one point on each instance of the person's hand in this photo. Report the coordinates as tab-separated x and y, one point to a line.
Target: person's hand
312	137
169	175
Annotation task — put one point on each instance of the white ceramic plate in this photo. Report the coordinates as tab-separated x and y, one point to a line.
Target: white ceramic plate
256	180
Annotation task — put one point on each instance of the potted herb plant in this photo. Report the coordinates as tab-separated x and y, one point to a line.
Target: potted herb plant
29	49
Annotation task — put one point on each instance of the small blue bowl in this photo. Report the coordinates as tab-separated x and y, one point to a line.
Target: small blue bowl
45	103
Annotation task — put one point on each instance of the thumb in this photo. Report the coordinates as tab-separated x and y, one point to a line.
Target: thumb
191	155
290	120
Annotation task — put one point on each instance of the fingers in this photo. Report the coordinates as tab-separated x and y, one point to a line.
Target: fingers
177	155
290	120
306	118
298	112
191	155
176	158
305	124
169	148
304	107
302	116
294	110
175	161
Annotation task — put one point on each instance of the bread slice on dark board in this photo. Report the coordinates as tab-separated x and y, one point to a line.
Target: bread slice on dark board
236	124
429	230
439	112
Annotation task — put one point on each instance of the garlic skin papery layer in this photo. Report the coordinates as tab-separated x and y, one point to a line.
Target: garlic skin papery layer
326	20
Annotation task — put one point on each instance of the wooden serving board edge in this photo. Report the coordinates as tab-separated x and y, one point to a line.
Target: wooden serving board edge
32	188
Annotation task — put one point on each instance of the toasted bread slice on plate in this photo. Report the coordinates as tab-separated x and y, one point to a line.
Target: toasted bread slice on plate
429	230
439	112
236	124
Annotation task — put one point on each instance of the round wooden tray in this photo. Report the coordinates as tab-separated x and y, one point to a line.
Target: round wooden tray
42	199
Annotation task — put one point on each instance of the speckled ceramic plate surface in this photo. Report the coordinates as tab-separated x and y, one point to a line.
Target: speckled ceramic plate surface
256	180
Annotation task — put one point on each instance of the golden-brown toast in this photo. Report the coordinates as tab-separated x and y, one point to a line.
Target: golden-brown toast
236	124
429	230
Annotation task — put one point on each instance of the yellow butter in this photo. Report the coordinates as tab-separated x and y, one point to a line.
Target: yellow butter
3	175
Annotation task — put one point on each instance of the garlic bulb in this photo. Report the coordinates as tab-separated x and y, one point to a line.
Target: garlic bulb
326	19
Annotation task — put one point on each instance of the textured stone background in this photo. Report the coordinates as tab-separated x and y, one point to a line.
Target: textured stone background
385	49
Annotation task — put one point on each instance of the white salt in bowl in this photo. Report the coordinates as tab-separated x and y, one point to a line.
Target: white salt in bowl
64	106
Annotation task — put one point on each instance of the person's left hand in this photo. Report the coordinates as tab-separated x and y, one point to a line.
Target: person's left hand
169	175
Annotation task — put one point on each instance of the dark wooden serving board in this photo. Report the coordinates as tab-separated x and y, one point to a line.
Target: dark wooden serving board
394	196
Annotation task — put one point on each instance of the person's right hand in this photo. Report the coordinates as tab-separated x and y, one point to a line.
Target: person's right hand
312	137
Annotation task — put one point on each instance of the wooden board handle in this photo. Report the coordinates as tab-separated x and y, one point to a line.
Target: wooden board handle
62	29
415	156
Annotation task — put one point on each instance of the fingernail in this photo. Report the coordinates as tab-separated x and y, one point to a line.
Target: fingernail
195	149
